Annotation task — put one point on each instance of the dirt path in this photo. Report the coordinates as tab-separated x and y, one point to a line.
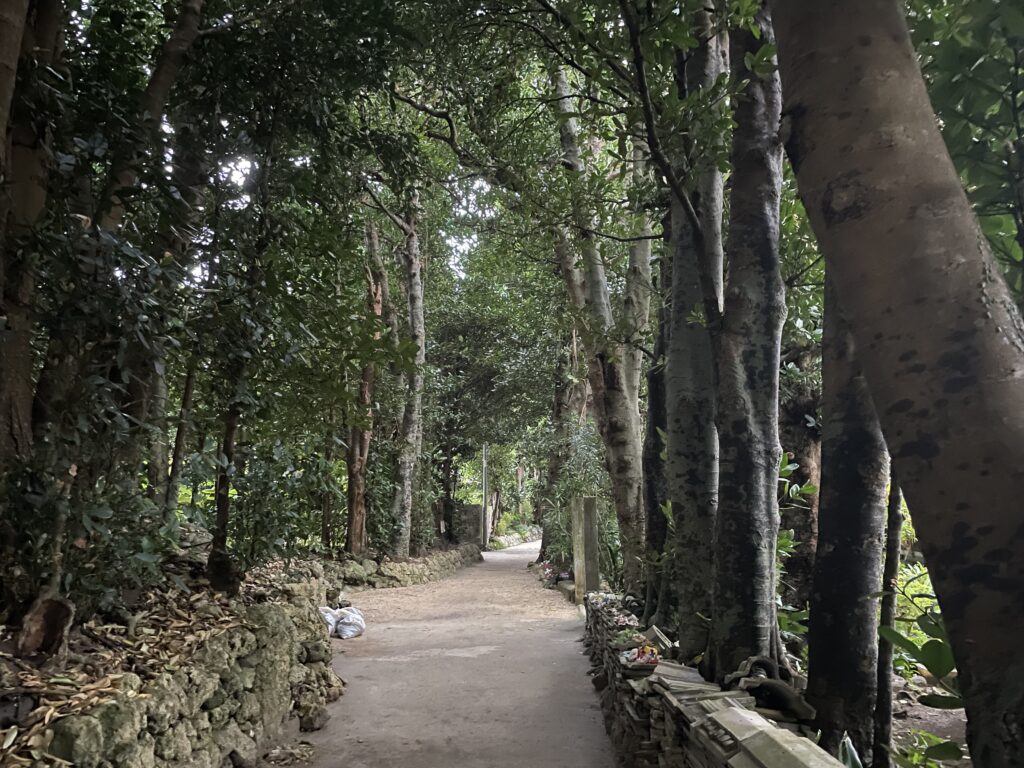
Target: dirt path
479	670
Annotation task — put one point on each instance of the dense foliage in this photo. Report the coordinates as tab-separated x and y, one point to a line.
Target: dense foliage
278	274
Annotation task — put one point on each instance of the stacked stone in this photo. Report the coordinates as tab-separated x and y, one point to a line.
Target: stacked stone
356	574
226	705
667	716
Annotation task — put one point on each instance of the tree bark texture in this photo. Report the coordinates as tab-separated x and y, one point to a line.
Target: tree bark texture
362	431
411	429
180	436
882	737
655	434
937	331
692	457
747	349
25	175
614	369
220	569
843	638
12	26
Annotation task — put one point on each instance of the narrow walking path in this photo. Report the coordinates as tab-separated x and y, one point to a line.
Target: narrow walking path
483	669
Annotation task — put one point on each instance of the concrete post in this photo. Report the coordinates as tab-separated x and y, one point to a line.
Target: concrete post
585	551
485	520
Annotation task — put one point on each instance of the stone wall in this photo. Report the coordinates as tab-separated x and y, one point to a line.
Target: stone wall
664	715
362	574
228	703
533	533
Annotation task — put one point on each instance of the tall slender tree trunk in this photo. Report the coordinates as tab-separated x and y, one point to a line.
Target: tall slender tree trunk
843	668
568	398
655	434
328	509
156	463
747	347
220	568
180	436
411	429
937	332
882	748
25	176
362	431
614	367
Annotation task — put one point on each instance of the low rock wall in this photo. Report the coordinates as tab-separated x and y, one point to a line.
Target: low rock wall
229	702
362	574
223	706
665	715
533	533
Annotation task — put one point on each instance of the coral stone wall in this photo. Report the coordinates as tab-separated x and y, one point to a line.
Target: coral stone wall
664	715
228	702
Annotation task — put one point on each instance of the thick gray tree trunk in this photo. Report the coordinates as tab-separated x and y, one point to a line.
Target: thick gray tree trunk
843	636
937	331
747	348
692	465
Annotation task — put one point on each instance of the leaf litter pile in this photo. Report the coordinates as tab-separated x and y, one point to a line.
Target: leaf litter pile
164	630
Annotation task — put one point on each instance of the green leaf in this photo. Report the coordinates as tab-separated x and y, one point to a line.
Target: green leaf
147	557
899	640
937	656
947	750
939	701
101	513
931	626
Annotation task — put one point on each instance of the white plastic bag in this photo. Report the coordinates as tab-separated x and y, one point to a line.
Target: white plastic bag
345	623
350	623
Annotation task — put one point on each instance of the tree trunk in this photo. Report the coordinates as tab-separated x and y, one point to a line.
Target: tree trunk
180	436
937	331
843	639
12	26
143	351
614	368
656	432
125	166
568	397
882	746
359	440
220	568
156	427
747	350
64	365
26	171
802	441
692	465
327	511
411	430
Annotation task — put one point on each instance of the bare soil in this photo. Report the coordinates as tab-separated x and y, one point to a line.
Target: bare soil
481	670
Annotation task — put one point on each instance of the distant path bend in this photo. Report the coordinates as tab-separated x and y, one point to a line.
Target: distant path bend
480	670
